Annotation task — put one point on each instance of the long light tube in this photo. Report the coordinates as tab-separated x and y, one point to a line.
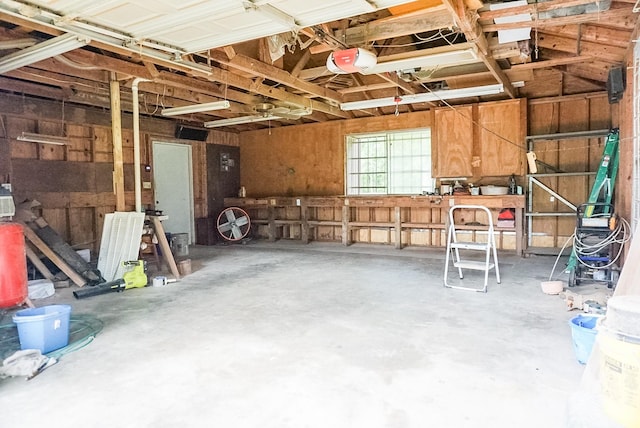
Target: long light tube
446	94
196	108
43	139
50	48
239	121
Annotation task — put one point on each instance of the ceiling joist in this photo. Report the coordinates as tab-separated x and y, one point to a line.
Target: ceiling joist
566	54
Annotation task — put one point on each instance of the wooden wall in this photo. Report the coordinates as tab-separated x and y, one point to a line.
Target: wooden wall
74	182
308	159
624	119
559	115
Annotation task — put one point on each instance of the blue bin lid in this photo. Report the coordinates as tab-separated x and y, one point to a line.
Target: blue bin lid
42	313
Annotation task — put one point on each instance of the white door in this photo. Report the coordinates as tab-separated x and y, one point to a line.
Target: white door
173	178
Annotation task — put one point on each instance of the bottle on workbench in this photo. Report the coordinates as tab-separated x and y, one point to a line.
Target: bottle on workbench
512	185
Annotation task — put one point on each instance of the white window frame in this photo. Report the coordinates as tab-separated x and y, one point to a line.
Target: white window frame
415	161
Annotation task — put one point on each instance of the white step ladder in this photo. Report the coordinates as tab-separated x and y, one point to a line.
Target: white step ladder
455	246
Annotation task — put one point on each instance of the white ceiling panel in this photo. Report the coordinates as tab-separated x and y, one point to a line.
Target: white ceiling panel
313	13
186	15
198	25
199	37
126	15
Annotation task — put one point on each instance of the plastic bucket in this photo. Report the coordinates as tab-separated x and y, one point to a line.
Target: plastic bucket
583	333
45	328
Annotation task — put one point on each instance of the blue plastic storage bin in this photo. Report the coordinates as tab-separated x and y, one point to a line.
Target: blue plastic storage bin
45	328
583	333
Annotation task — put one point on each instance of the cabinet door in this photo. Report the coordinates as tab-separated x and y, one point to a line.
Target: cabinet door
502	131
453	142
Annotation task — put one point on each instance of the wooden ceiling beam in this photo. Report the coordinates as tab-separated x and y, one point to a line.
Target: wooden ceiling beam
264	70
366	88
215	75
164	77
396	81
395	26
532	8
566	44
549	63
30	88
46	73
595	71
473	33
593	33
302	63
616	14
358	79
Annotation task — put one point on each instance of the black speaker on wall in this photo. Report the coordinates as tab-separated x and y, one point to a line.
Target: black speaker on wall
616	82
187	133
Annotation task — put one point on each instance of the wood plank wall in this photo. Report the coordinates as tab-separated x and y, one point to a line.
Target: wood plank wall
74	182
558	115
624	116
308	159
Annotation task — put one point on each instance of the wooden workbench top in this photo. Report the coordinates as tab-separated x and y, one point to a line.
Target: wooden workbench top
498	201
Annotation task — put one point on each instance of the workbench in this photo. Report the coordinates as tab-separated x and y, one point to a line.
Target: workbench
395	220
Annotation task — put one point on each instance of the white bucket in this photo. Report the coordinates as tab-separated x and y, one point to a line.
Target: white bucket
620	364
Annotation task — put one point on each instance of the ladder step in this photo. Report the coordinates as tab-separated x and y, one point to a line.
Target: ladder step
482	246
473	265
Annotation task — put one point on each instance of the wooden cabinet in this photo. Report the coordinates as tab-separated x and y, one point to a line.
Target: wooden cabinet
501	137
482	140
453	142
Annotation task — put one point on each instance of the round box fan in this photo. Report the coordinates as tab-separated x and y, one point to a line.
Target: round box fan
233	224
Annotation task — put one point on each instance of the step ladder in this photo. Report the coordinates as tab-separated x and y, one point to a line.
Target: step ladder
603	185
455	246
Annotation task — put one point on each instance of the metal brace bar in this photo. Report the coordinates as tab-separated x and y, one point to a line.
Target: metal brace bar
553	193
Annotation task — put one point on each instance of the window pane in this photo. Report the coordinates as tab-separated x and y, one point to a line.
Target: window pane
391	163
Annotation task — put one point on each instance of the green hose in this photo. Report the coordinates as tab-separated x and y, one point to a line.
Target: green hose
82	330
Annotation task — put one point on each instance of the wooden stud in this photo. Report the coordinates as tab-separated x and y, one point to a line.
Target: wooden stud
59	262
116	129
42	268
397	228
164	246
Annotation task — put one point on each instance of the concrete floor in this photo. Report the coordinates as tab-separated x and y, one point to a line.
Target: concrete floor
289	335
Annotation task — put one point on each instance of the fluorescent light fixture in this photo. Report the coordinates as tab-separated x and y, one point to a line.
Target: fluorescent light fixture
43	139
516	34
196	108
446	94
239	121
438	59
50	48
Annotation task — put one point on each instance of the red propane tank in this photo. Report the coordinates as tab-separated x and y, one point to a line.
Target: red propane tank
13	266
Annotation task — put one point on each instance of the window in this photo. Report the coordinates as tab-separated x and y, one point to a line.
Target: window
389	163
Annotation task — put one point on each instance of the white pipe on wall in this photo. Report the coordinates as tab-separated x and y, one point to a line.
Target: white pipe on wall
136	143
